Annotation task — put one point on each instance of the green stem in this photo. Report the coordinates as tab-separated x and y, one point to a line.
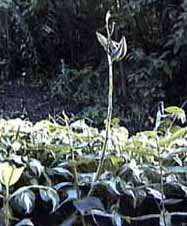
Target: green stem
161	180
109	118
70	135
108	123
7	211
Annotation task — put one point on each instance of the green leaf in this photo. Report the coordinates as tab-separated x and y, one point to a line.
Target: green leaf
25	201
36	167
174	110
177	112
10	174
49	195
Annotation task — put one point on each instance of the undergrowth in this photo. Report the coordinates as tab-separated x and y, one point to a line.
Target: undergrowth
69	173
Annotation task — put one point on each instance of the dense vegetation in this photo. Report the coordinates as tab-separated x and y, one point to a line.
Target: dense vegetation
47	171
53	43
92	171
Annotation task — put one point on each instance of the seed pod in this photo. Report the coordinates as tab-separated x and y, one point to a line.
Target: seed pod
119	52
116	50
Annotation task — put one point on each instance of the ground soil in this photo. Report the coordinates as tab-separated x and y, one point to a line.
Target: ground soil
28	101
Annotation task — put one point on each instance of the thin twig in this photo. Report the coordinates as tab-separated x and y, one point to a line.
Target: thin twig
161	180
70	135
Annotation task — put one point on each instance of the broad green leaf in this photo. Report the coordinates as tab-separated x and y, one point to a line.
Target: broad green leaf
49	195
9	174
177	112
25	201
180	133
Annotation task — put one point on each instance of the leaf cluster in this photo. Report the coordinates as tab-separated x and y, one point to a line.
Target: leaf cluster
54	165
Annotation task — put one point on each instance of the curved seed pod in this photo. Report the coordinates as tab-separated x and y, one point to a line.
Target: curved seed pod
115	49
105	44
107	17
112	28
102	40
119	52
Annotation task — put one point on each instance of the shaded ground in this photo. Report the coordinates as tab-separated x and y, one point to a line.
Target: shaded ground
35	103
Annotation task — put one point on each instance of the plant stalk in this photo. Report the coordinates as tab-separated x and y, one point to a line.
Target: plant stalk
7	210
109	117
161	181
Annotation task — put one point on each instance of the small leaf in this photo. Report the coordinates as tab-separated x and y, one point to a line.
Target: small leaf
119	53
172	201
16	146
177	112
100	213
61	171
107	17
36	167
79	125
115	49
62	185
112	186
102	40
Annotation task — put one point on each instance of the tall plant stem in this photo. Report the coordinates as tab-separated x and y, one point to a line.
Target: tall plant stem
109	117
115	52
161	180
7	210
108	120
70	135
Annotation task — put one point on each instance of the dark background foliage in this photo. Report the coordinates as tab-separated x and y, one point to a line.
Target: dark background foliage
53	44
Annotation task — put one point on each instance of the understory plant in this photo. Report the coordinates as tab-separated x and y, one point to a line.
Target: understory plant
59	172
115	52
60	160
